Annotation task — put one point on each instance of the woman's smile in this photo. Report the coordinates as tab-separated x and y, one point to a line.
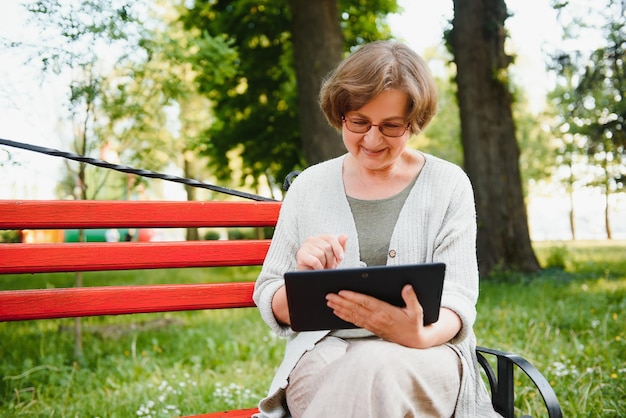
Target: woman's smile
372	152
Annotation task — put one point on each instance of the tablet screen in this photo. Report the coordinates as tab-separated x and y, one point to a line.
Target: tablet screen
307	290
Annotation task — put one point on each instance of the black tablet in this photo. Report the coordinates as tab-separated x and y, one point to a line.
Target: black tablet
307	290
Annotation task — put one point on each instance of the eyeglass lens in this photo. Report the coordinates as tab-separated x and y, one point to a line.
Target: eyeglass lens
361	126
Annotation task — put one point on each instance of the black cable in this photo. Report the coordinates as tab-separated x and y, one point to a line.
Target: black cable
130	170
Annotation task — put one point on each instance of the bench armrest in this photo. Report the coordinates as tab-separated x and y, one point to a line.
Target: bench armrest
502	382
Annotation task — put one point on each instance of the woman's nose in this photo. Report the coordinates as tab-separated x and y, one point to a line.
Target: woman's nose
373	135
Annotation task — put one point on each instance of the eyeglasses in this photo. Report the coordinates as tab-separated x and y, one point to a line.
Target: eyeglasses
361	126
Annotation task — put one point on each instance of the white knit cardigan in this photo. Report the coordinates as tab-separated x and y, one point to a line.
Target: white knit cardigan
436	224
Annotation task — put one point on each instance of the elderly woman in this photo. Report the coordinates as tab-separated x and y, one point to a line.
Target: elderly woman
380	204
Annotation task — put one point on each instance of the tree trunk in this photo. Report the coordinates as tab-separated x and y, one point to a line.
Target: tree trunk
572	215
607	198
490	148
607	211
318	45
570	193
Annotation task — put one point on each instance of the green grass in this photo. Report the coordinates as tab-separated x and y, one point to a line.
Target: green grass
568	321
157	365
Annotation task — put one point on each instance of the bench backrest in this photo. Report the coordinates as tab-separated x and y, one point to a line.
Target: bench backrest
102	256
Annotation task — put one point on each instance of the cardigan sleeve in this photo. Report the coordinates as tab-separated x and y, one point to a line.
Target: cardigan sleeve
315	204
280	258
455	245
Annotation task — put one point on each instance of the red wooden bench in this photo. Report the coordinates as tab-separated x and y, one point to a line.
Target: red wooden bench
20	305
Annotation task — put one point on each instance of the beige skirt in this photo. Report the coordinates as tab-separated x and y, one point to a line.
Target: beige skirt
370	377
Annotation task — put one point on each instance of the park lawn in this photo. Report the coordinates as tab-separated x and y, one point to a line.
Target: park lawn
568	320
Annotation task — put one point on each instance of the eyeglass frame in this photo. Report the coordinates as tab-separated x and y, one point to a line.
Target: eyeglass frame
380	127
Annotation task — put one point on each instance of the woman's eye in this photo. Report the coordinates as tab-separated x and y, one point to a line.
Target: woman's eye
392	126
360	122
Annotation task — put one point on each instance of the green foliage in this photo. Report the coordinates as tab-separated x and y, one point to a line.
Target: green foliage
154	112
255	108
556	258
256	116
10	236
365	21
567	322
212	235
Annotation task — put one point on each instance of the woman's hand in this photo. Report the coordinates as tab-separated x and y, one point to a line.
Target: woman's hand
402	325
318	252
321	252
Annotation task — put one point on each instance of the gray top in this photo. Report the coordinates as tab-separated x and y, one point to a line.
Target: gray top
375	220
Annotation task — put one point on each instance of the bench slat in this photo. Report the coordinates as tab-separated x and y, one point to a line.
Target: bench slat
77	214
96	256
19	305
241	413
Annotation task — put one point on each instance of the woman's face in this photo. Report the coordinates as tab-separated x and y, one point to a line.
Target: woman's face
373	150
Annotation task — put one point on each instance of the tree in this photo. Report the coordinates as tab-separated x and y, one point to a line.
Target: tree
73	35
589	97
490	149
314	57
443	136
267	114
155	114
255	108
82	42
